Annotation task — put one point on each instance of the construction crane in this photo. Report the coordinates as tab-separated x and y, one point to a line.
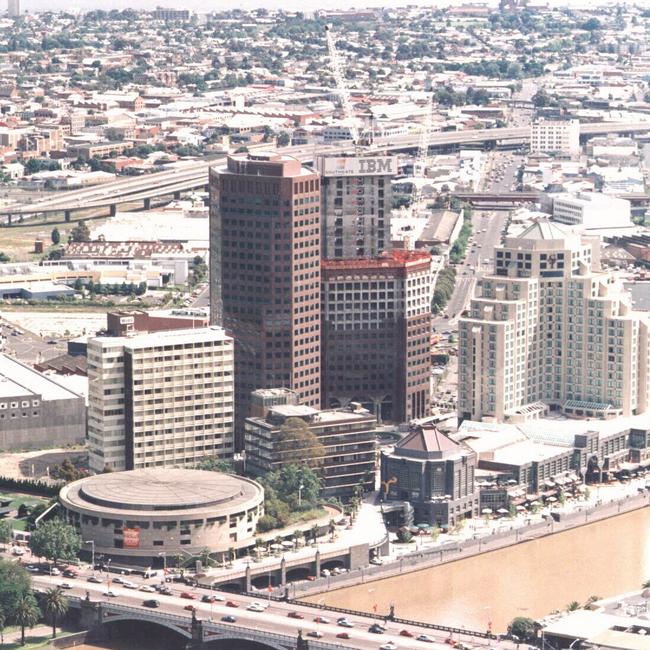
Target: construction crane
341	86
420	162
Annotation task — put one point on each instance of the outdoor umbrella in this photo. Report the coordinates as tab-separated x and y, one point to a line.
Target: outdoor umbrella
486	511
503	511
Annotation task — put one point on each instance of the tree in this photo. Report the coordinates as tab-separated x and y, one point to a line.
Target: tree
56	236
55	606
646	584
5	531
296	443
26	614
404	535
15	583
55	540
573	606
522	627
3	624
293	483
283	139
4	257
214	464
80	232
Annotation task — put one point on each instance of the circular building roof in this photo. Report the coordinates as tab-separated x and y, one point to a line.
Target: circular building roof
147	490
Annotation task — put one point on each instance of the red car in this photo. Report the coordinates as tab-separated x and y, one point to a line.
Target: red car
451	642
342	635
190	608
406	633
188	596
231	603
295	615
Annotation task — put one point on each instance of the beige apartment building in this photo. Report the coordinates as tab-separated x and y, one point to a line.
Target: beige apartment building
163	399
551	331
555	136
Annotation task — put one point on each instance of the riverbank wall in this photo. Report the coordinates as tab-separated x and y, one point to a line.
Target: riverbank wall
423	558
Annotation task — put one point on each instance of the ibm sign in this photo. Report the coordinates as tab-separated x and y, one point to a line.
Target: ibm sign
370	166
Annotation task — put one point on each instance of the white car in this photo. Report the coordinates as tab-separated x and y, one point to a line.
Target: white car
388	646
376	560
255	607
345	622
148	588
129	585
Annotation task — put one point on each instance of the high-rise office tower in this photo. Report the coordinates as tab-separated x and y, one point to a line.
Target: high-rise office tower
265	273
13	8
357	200
550	330
163	399
377	334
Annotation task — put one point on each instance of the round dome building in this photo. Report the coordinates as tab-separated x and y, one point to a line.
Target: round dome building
141	515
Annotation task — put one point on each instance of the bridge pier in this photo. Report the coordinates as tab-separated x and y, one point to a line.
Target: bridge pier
317	564
283	573
147	204
177	196
9	219
248	579
67	215
113	209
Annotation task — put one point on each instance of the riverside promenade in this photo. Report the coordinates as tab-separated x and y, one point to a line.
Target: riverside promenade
454	551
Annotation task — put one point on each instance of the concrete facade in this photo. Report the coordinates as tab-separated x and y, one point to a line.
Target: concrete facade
356	205
160	400
555	136
550	331
36	411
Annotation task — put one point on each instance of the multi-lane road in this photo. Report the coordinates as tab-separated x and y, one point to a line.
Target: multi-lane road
275	618
195	174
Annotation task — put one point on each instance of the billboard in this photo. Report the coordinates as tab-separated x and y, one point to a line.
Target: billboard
358	166
131	537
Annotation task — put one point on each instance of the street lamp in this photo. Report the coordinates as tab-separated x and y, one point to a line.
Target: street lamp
92	542
300	489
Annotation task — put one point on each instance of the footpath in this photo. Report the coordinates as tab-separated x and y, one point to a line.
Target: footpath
458	550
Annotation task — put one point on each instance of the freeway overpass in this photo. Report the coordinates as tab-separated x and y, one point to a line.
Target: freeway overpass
191	176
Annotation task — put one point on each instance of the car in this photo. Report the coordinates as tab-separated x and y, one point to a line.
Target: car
110	594
231	603
424	637
207	598
32	568
451	642
118	581
295	615
187	595
406	633
152	602
376	629
255	607
376	560
129	585
315	634
65	585
52	342
219	598
228	619
342	635
70	573
388	646
345	622
95	579
53	571
190	608
321	619
148	589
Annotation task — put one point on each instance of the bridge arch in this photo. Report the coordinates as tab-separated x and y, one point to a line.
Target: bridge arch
298	573
241	643
150	633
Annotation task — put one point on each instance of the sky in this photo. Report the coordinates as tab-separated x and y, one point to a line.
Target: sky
204	6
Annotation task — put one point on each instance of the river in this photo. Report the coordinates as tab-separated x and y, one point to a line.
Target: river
530	579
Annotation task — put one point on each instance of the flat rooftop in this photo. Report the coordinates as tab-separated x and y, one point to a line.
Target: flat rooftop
18	379
160	490
168	337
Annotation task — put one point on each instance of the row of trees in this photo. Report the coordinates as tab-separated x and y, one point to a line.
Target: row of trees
445	283
460	245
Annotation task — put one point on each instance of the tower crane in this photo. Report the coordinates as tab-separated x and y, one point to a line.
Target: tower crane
341	86
420	162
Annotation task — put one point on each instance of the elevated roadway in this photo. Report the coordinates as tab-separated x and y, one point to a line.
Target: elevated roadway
194	175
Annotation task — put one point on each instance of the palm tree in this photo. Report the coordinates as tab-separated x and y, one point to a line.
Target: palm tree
572	606
26	614
55	605
646	584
